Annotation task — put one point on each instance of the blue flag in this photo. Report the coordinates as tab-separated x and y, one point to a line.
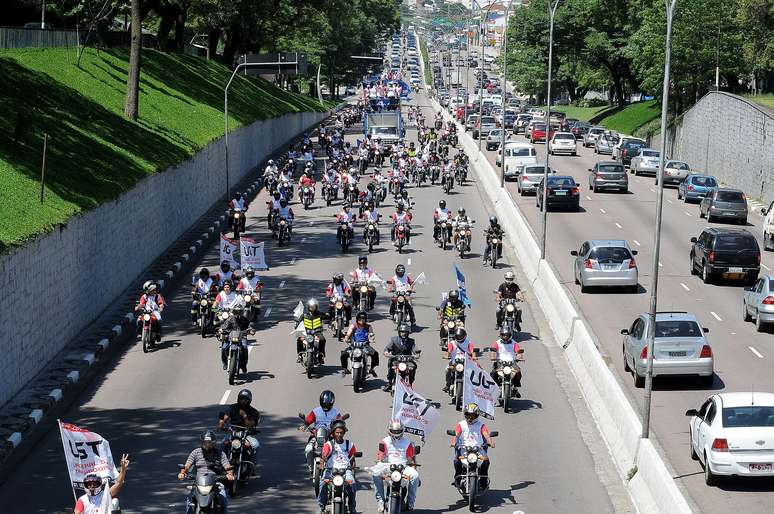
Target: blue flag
461	286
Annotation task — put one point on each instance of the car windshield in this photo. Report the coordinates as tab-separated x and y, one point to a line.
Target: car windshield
522	152
734	242
539	126
561	182
565	136
677	328
749	416
611	168
704	181
488	119
678	165
730	196
610	254
537	170
649	153
634	146
385	131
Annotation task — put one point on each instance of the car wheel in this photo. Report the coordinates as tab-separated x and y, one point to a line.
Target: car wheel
745	313
709	477
692	266
575	277
636	172
759	324
575	154
627	369
706	276
694	456
639	382
591	187
584	288
709	217
707	381
701	213
634	289
679	196
766	239
743	221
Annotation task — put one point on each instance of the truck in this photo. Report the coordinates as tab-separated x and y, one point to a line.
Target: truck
387	126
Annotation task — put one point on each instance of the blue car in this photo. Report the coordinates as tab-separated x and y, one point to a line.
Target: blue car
695	187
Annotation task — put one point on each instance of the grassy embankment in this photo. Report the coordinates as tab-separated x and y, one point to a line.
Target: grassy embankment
425	60
94	153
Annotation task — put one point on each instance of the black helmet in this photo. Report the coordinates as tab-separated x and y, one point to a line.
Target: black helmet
454	294
208	440
277	195
471	411
338	278
400	206
283	203
225	266
93	484
461	211
404	194
460	334
327	399
404	327
237	195
493	220
229	284
361	316
204	273
442	204
362	259
400	269
505	333
338	423
246	395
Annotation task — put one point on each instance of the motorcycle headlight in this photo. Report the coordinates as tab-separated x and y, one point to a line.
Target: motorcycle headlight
146	317
357	353
495	241
443	225
282	222
460	368
370	226
236	214
507	370
204	490
236	444
509	307
338	480
248	298
203	303
224	315
339	305
234	339
450	325
402	366
471	458
467	232
396	476
363	289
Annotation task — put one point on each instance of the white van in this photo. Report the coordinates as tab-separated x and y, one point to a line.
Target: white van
768	227
517	155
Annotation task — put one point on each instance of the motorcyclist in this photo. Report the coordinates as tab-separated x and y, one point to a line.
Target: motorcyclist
224	274
306	180
339	289
203	286
362	274
274	206
463	218
440	214
494	231
508	290
321	416
271	168
395	449
241	414
401	344
360	334
506	348
346	218
370	215
209	457
95	486
285	212
250	282
331	178
401	216
313	320
471	431
338	453
237	204
152	300
452	306
457	346
227	298
402	281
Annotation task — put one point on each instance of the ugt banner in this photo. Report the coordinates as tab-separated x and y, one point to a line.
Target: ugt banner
479	388
86	452
228	250
418	415
251	254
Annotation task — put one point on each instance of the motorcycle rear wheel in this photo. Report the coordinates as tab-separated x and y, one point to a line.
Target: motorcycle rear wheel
507	396
203	326
316	479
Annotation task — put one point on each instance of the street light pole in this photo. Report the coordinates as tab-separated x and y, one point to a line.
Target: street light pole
551	14
504	90
670	7
481	33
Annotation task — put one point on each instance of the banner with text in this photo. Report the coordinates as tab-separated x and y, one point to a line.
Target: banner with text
418	415
479	388
228	250
86	452
251	254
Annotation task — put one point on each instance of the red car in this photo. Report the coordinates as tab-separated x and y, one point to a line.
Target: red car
539	133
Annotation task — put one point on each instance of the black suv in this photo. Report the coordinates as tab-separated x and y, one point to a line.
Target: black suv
726	252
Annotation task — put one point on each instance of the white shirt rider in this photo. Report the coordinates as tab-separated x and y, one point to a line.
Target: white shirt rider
442	214
227	301
203	286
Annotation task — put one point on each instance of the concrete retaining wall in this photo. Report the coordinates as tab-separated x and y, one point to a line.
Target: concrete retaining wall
729	137
58	284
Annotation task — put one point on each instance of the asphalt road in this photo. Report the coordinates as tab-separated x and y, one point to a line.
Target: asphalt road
548	458
743	357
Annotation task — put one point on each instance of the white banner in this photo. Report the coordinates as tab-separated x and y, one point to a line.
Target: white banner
479	388
228	250
251	254
86	452
418	415
421	279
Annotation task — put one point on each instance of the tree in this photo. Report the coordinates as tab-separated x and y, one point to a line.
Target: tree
756	17
131	105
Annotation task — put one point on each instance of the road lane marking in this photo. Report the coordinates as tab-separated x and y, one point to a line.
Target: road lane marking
766	267
618	225
670	201
756	352
408	261
282	284
602	211
685	287
688	214
716	316
638	181
660	265
303	240
266	314
224	398
636	242
652	190
588	197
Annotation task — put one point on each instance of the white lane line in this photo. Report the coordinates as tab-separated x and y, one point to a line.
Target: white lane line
618	225
660	265
588	197
408	261
652	190
638	181
293	260
756	352
716	316
602	211
282	284
688	214
224	398
266	314
636	242
670	201
765	267
685	287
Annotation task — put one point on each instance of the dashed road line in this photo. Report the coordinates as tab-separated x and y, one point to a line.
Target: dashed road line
756	352
638	181
282	284
588	198
688	214
716	316
408	261
303	240
670	201
266	314
685	287
652	190
224	398
765	267
636	242
618	225
602	211
660	265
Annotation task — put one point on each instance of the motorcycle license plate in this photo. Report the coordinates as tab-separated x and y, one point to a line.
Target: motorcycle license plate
235	347
759	468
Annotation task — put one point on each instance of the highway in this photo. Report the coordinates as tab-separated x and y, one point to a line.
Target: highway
549	457
743	357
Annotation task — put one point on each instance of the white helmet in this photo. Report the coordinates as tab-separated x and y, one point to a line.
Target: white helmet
395	428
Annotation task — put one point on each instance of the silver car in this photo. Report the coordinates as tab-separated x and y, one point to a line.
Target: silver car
724	203
471	121
680	347
605	143
591	136
606	262
758	302
646	161
494	138
530	176
608	175
675	172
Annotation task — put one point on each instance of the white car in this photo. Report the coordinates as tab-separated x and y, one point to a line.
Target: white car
732	434
563	142
517	155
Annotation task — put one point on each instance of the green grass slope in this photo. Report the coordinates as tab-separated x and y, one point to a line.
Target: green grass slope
94	153
579	113
632	117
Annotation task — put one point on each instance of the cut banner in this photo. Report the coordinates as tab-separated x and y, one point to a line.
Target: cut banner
479	388
418	415
86	452
228	251
251	254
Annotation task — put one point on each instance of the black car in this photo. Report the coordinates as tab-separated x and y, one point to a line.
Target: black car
725	252
563	191
629	150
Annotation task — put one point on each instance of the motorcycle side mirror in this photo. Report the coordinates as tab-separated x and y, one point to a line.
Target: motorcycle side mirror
521	350
450	432
574	253
417	450
625	331
358	454
494	433
181	466
693	240
705	330
691	412
635	252
301	415
345	417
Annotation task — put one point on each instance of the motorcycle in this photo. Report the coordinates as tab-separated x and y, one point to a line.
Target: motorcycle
397	487
444	233
455	391
327	193
203	497
511	315
453	140
338	324
405	367
237	222
435	173
493	250
463	238
461	173
283	232
252	300
306	196
270	183
401	235
148	326
320	437
468	484
310	358
396	187
242	445
337	498
448	324
402	300
237	354
363	293
370	236
360	361
346	234
204	316
506	371
448	182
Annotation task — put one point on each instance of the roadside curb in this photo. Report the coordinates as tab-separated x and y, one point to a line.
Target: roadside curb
637	460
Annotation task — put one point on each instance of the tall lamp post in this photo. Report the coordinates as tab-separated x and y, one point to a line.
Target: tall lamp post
670	7
505	89
481	34
551	13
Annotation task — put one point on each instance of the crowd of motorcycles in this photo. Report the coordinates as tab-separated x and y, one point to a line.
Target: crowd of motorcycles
227	306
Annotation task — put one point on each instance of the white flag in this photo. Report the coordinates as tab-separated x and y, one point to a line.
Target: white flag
421	279
86	452
228	250
251	254
418	415
479	388
299	328
299	310
377	280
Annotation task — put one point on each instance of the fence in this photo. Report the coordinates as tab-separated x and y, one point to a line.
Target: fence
19	37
